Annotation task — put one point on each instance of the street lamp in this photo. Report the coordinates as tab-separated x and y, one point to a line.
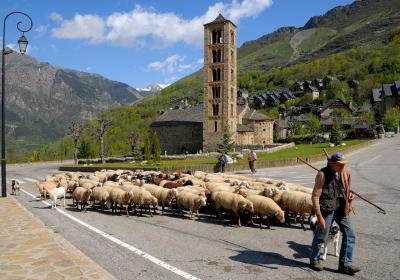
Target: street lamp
23	43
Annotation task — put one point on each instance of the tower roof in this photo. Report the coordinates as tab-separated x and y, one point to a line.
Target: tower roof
219	19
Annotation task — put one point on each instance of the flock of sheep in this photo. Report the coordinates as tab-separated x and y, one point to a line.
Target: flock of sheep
218	192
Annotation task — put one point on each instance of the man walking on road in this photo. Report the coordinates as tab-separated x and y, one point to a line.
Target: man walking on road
252	161
332	199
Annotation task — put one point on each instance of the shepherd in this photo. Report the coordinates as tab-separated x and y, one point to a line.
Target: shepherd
332	201
252	161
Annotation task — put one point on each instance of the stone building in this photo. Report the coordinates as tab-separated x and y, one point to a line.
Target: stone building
202	127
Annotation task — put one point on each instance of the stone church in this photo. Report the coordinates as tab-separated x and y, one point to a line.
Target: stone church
201	127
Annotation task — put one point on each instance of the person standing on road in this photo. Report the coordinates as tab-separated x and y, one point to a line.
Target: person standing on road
331	198
223	160
252	161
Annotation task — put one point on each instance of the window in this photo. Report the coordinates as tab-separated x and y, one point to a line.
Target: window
217	56
217	36
216	74
232	37
215	109
232	57
232	110
216	92
232	94
215	127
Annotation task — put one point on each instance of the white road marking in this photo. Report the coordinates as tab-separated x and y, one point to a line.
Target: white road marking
370	160
121	243
30	180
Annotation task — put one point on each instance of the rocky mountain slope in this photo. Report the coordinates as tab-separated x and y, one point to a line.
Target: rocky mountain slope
42	100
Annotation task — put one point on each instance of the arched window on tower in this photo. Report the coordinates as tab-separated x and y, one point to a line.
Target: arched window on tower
219	56
214	75
219	36
215	109
216	92
215	126
218	74
214	36
232	37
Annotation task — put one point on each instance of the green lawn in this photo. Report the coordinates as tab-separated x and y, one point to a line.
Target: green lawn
302	150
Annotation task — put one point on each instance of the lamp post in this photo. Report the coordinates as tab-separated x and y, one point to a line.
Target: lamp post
23	43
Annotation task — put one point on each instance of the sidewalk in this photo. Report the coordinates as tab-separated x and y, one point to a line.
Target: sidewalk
28	250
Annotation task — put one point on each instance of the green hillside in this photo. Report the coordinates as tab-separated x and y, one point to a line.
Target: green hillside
359	41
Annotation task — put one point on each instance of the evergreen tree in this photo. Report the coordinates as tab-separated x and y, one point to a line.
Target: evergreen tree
336	134
227	143
84	150
147	152
157	150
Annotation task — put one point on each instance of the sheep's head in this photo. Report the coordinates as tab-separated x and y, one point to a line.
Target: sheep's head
154	201
199	202
280	215
172	193
246	205
280	184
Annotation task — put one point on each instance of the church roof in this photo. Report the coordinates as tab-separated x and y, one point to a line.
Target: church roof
253	115
192	115
243	128
219	19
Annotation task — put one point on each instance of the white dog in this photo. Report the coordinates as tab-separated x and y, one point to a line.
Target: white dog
57	193
333	237
15	188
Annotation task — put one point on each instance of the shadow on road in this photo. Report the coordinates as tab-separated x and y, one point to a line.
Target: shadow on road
301	250
265	259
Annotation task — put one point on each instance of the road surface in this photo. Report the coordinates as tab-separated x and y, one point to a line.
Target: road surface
170	247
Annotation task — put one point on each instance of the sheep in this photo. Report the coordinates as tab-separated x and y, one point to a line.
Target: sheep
199	191
171	185
102	195
294	201
164	196
200	174
265	206
120	198
72	184
232	201
81	195
89	184
190	201
55	194
142	197
43	185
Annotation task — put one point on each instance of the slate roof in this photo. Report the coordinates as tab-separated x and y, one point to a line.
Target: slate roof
255	116
376	94
243	128
219	19
192	115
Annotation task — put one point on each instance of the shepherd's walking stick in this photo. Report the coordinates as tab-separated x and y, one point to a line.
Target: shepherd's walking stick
356	194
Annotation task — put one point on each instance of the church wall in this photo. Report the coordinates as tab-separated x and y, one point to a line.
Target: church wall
174	139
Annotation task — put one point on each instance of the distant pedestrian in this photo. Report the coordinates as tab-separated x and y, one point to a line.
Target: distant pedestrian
332	200
223	160
252	161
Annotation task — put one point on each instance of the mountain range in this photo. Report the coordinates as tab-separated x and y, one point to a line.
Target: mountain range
42	99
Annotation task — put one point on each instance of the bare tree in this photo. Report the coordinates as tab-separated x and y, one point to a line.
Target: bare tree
75	131
133	139
103	126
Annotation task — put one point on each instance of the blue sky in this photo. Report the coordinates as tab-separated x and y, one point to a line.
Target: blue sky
142	42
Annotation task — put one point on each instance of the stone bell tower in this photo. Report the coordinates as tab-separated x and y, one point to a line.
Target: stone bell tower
219	93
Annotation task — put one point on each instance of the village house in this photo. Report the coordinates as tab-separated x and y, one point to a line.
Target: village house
386	97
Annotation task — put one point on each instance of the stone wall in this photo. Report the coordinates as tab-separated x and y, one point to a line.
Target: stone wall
174	139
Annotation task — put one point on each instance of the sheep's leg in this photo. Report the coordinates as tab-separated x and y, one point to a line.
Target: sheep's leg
302	222
239	223
127	210
198	215
261	221
268	224
162	209
64	200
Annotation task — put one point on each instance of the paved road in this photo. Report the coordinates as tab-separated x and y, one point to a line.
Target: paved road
208	250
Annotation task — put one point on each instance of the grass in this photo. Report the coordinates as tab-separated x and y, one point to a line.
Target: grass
319	38
302	150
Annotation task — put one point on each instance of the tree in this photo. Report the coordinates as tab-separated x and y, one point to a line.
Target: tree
313	125
227	143
75	131
391	118
147	152
133	139
156	145
336	134
103	126
84	148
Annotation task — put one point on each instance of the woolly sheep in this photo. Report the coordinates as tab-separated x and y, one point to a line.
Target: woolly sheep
142	197
43	185
81	195
120	198
232	201
164	196
190	201
102	195
265	206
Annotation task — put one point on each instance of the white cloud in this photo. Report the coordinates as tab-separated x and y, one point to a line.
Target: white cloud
41	29
200	61
171	64
56	16
89	27
131	28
